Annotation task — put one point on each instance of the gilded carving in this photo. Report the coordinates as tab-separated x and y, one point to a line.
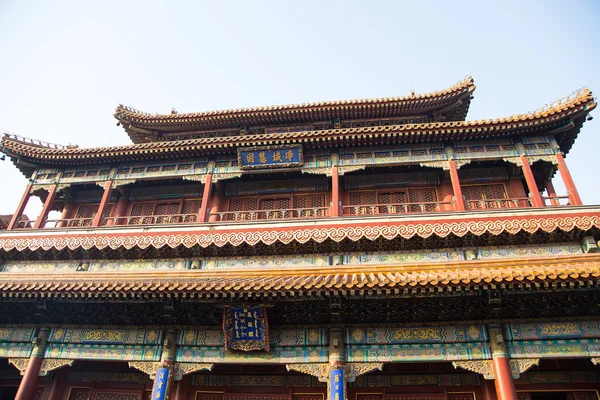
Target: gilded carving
122	182
104	336
47	364
148	367
187	368
519	366
356	369
547	158
482	367
318	370
568	328
514	160
349	168
596	360
317	170
436	164
321	370
221	177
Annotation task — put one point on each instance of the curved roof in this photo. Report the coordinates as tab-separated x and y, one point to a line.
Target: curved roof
451	104
565	116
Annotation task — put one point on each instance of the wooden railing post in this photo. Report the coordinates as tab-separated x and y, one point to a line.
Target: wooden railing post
552	193
20	209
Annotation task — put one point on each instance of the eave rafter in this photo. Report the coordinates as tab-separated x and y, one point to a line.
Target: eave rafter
543	272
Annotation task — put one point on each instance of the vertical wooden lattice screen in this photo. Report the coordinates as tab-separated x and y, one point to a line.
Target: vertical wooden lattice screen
485	196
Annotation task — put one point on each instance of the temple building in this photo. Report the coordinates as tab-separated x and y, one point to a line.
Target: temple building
380	249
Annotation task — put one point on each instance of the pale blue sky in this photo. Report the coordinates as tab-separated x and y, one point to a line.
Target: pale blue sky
66	65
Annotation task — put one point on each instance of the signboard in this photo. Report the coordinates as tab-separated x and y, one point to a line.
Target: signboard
246	328
284	156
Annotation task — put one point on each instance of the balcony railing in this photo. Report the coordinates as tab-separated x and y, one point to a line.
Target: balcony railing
398	208
253	215
485	204
297	213
151	219
556	200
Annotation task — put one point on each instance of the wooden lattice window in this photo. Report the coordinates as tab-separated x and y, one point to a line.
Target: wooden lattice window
79	394
86	212
422	197
485	196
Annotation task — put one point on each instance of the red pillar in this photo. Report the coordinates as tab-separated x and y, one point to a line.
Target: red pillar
505	387
574	198
181	388
536	197
206	194
19	212
335	192
41	220
552	193
214	207
488	390
459	202
29	383
121	208
103	203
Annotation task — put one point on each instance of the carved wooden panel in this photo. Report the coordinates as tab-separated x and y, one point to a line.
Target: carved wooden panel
113	395
460	396
315	396
209	396
415	396
79	394
585	396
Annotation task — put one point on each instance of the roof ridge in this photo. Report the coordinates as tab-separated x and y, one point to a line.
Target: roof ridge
463	83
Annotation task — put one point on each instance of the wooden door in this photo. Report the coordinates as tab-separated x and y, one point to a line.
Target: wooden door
167	209
310	205
396	200
242	208
191	209
282	203
86	212
140	210
424	198
485	196
364	202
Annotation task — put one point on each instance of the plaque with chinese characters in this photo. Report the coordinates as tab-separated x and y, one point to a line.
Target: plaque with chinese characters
246	328
270	157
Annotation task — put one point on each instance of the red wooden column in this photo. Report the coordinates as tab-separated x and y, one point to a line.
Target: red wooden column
103	203
41	220
214	206
505	386
335	192
459	202
19	212
552	193
30	380
574	198
206	194
536	197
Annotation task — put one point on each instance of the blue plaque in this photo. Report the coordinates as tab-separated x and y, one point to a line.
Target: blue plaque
284	156
161	382
336	384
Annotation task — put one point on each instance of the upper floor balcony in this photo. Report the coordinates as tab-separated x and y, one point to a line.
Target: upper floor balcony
414	192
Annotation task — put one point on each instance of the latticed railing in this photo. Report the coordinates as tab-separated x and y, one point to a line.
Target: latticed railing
253	215
398	208
483	204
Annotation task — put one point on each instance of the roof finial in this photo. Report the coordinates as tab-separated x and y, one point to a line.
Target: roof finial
173	111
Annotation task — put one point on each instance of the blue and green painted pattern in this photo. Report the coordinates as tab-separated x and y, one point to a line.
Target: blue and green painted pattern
103	352
15	335
553	330
276	355
256	380
151	337
417	352
554	348
15	350
428	334
278	337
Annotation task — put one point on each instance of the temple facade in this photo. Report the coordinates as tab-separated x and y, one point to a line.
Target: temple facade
381	249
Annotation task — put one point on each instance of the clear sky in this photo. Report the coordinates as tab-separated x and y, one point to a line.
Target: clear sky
66	65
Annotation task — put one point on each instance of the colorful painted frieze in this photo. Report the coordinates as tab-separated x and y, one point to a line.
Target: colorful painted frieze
429	334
